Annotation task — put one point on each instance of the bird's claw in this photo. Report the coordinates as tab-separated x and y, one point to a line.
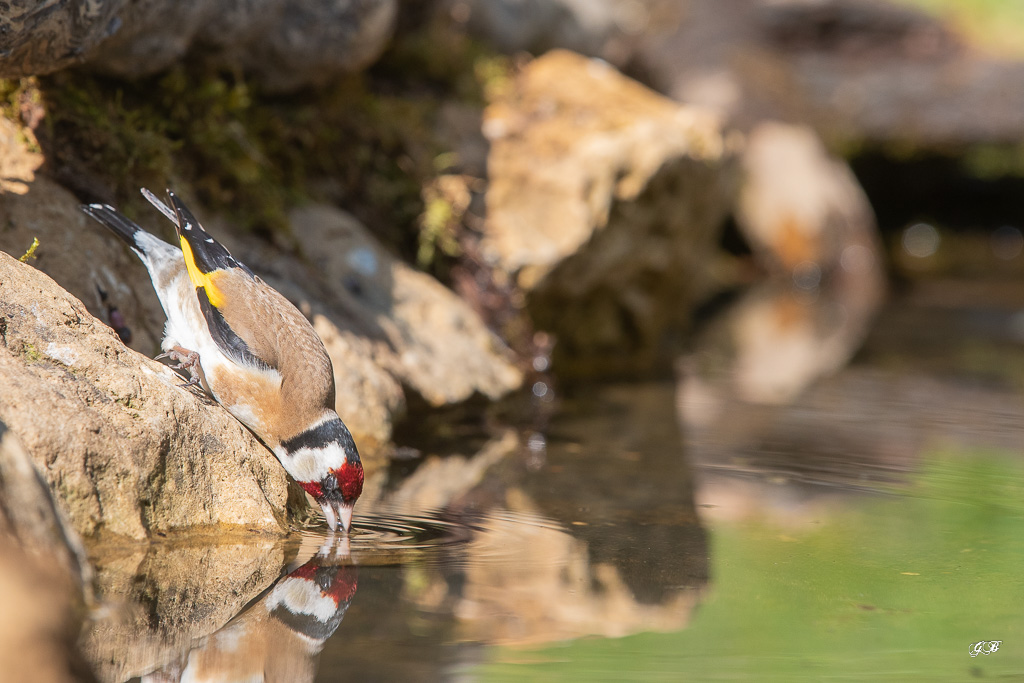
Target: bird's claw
193	381
186	360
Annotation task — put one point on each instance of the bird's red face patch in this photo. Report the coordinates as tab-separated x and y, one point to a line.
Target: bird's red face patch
313	488
341	584
350	481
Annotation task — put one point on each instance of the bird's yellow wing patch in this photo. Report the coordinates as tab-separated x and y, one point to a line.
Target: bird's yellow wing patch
207	281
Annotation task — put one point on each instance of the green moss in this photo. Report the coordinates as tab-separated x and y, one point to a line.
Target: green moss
994	161
367	142
31	253
21	102
30	353
130	402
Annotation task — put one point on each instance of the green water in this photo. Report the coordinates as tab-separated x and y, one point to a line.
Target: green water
884	588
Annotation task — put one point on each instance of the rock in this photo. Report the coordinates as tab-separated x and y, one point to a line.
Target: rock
429	339
598	28
857	71
813	227
39	39
385	325
605	201
85	260
125	448
287	44
871	72
42	575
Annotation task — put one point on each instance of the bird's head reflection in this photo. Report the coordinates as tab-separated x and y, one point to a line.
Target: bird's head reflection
312	599
278	636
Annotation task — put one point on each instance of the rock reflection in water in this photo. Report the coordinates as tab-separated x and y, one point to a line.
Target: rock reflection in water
279	637
185	616
601	539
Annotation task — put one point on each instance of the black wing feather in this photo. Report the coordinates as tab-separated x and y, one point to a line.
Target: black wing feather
209	254
229	342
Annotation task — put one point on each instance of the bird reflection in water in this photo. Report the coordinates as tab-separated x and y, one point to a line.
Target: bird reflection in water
279	636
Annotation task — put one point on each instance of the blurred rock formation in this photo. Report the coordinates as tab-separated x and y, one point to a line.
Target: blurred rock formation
813	229
604	203
856	71
286	44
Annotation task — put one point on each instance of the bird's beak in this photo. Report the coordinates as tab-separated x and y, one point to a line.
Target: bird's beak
337	514
329	515
345	516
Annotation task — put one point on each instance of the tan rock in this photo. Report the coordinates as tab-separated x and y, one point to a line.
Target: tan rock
426	336
605	199
813	227
80	254
385	325
125	449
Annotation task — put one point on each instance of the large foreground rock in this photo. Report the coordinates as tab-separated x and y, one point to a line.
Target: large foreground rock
125	449
605	201
286	43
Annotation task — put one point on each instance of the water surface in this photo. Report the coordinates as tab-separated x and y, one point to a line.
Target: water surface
872	530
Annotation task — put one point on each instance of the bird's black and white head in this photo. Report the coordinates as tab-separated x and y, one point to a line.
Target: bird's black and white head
324	461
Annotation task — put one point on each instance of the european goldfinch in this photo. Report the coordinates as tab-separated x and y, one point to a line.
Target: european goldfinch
252	350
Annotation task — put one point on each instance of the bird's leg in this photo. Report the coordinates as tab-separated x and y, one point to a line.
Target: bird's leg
187	360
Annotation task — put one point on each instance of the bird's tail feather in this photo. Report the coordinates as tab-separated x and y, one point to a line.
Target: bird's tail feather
118	224
153	251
